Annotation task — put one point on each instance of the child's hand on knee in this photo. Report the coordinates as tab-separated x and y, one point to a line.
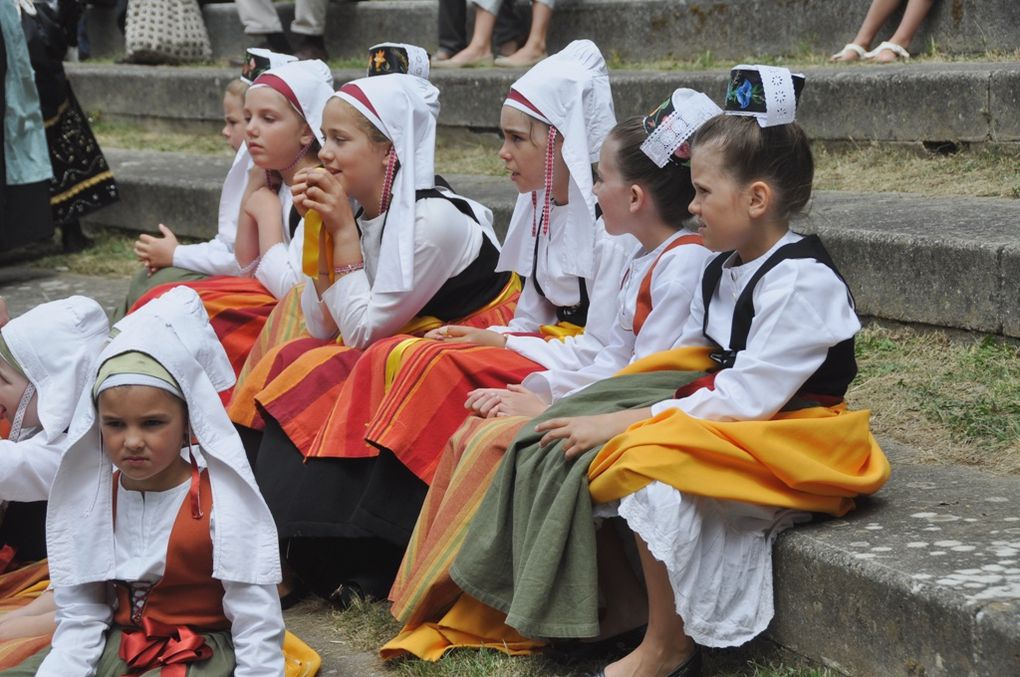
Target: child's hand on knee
587	432
157	252
456	333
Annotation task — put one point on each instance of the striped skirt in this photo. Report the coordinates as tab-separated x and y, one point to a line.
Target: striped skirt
436	614
18	588
238	308
323	394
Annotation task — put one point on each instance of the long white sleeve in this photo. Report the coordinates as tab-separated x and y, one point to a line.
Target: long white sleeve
214	257
446	242
801	310
675	280
83	617
318	321
533	310
279	269
27	468
613	255
256	626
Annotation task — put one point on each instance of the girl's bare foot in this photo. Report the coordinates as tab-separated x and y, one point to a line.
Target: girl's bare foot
525	57
851	52
472	55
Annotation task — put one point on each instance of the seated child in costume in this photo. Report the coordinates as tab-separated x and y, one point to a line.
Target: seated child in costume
710	472
164	259
644	187
179	535
45	356
554	121
283	112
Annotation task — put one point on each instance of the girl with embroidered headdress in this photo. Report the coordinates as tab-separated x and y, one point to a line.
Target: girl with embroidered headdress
164	259
45	357
643	187
706	451
282	110
179	535
411	256
554	121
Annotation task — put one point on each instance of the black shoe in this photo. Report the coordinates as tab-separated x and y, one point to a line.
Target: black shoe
347	594
580	650
691	667
73	239
297	593
311	47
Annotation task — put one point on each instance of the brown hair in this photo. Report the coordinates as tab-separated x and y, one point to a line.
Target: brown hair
373	133
237	87
669	186
778	155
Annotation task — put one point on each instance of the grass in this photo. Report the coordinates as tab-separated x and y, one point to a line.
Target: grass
366	626
953	397
110	256
984	171
116	134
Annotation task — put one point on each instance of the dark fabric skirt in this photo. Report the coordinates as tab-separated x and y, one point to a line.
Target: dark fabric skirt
24	209
340	520
82	180
23	527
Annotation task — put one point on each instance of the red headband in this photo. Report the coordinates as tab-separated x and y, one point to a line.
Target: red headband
280	85
514	95
356	93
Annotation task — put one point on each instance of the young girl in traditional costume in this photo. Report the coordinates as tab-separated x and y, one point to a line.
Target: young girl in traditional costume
179	535
283	108
410	254
554	121
45	358
164	259
724	450
643	188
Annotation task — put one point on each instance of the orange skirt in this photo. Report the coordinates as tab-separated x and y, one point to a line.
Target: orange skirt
18	588
323	394
238	308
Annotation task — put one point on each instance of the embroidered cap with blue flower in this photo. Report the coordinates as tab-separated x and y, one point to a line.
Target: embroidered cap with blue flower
674	122
768	93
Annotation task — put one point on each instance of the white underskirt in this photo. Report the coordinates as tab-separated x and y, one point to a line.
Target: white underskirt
718	554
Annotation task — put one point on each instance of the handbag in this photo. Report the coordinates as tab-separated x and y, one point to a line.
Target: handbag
165	31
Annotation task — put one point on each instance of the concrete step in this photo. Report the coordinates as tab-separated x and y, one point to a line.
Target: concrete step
950	262
923	579
634	30
969	102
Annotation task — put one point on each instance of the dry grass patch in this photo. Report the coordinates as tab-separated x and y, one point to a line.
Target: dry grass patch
988	171
132	136
112	255
954	398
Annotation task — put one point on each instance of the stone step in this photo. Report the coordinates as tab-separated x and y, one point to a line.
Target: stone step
633	30
922	579
968	102
950	262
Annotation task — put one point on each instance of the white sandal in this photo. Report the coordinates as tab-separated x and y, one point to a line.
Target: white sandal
898	50
850	48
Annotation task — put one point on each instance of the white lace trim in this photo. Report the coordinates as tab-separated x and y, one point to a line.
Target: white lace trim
690	110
